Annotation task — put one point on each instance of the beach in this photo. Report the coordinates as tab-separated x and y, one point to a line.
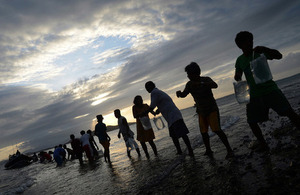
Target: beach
249	172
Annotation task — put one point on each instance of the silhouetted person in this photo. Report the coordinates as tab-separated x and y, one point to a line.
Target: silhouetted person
77	149
126	133
93	144
143	135
265	95
59	155
166	106
70	152
85	142
104	139
34	157
208	112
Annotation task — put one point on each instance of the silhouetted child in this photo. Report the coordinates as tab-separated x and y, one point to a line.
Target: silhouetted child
265	95
172	114
104	139
77	148
126	133
93	144
207	109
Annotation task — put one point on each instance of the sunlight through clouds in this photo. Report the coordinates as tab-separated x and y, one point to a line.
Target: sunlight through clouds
61	61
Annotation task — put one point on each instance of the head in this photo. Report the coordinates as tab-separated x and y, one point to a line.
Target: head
193	70
138	100
244	40
64	146
99	117
72	136
82	132
117	113
89	132
149	86
60	145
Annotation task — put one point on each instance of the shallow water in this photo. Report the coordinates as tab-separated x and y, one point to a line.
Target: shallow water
166	173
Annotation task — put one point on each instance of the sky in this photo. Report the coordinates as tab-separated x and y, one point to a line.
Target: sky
64	62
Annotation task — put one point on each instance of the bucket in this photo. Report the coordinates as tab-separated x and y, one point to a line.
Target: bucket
241	90
260	69
146	122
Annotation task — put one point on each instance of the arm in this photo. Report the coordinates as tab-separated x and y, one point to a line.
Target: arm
119	136
184	93
238	75
93	140
272	53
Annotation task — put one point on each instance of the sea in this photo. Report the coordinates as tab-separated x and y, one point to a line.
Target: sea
166	173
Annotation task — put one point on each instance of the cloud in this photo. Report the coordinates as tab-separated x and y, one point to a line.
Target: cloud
63	62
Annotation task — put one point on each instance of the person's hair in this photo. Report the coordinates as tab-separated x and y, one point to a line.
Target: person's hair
149	85
82	132
64	146
99	117
136	99
193	68
117	111
89	131
243	36
72	136
60	145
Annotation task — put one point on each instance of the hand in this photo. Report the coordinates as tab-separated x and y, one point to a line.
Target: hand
157	112
119	136
178	93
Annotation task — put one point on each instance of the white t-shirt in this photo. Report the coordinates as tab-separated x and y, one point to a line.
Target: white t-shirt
85	139
165	105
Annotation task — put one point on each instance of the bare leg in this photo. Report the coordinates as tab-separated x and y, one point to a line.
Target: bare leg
153	146
294	117
177	145
188	144
144	146
224	139
206	141
258	134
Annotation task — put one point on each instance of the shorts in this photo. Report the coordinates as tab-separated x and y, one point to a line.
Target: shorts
88	151
178	129
258	108
131	144
212	120
105	144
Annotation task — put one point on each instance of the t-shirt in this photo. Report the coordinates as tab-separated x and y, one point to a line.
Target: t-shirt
59	151
100	131
203	96
256	90
76	145
126	133
85	139
165	105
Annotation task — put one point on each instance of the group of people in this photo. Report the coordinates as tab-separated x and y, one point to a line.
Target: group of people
263	96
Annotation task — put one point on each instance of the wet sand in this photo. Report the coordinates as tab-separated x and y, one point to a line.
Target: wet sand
249	172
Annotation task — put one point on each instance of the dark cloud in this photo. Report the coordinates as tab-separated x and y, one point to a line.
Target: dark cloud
165	37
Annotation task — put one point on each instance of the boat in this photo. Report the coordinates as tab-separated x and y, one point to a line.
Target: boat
18	161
